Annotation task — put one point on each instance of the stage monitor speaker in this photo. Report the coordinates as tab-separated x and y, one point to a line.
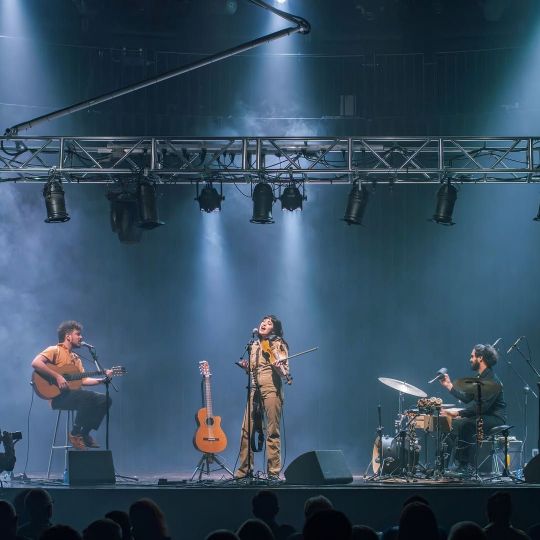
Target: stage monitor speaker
319	467
90	467
531	471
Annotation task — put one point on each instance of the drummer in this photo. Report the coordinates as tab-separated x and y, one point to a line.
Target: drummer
483	358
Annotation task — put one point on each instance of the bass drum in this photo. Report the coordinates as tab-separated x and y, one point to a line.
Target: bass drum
394	460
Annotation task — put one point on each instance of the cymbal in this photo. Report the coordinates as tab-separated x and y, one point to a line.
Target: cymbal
403	387
469	386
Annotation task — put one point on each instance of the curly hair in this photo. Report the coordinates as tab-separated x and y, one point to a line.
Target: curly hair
488	353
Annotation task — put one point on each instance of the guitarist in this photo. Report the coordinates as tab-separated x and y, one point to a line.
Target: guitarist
265	354
91	406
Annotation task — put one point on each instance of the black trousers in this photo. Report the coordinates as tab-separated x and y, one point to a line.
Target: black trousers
463	436
91	408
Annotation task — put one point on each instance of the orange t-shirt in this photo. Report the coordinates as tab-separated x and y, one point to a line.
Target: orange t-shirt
60	356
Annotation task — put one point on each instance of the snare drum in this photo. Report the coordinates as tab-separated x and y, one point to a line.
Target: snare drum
392	455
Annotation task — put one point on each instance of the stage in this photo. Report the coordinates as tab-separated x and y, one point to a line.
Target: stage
193	509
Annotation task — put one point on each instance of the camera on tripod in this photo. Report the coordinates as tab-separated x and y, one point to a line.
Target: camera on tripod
11	437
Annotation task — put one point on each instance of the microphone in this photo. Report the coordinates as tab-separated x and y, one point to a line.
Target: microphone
440	375
496	342
84	344
255	331
514	345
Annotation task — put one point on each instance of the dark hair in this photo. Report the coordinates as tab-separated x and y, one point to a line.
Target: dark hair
265	504
60	532
466	530
328	524
488	353
417	520
316	504
278	327
254	529
122	518
103	529
67	327
363	532
147	520
38	503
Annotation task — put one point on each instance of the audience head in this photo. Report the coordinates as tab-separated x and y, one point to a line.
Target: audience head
60	532
466	530
417	520
103	529
415	498
254	529
363	532
328	525
222	534
265	505
499	508
147	520
38	505
122	518
8	519
316	504
18	503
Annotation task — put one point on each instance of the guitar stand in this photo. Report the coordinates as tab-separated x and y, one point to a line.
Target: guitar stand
204	466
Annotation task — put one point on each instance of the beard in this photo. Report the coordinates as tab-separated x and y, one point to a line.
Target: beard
475	365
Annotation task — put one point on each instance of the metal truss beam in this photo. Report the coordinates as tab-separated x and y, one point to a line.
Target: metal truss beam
323	160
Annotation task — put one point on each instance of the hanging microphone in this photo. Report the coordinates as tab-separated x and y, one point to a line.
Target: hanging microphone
84	344
440	375
496	342
514	345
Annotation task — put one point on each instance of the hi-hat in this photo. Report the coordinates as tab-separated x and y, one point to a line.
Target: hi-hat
469	385
403	387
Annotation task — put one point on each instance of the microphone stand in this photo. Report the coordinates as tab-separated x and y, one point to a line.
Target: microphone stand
107	382
537	373
247	349
526	390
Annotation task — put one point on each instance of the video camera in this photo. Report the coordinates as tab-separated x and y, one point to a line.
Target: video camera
7	458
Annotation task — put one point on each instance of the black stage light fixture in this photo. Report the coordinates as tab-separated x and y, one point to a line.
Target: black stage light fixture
263	199
148	210
125	217
209	199
54	201
356	205
291	198
446	198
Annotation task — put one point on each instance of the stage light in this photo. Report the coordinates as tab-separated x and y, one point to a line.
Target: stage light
148	209
356	205
446	198
54	201
291	198
124	216
263	199
209	199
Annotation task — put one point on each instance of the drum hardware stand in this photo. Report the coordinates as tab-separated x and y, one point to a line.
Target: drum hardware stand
379	474
505	475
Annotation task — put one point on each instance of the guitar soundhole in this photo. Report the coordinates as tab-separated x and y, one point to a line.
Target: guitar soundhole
209	421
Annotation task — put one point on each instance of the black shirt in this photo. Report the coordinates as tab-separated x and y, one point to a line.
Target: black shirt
494	406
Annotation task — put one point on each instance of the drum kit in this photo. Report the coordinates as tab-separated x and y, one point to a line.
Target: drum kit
399	455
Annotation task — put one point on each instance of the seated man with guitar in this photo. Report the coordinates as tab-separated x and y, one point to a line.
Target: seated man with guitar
54	367
268	365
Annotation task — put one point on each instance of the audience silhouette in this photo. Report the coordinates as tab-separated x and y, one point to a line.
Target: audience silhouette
38	507
254	529
147	521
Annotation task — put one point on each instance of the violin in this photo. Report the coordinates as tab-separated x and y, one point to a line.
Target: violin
280	363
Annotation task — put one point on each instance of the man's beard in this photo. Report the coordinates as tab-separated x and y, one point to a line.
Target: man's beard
475	365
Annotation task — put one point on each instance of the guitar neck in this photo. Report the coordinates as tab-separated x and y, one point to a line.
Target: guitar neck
79	376
208	397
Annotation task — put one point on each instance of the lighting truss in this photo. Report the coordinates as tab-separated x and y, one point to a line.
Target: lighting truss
320	160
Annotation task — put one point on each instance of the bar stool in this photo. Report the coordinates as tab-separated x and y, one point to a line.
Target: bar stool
66	446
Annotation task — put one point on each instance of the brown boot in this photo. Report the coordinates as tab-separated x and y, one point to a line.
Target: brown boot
89	441
77	442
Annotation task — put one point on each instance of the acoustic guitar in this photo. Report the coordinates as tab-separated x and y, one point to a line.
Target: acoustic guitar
46	387
209	437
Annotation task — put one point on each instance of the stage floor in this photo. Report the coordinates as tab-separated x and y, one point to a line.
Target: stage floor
194	509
